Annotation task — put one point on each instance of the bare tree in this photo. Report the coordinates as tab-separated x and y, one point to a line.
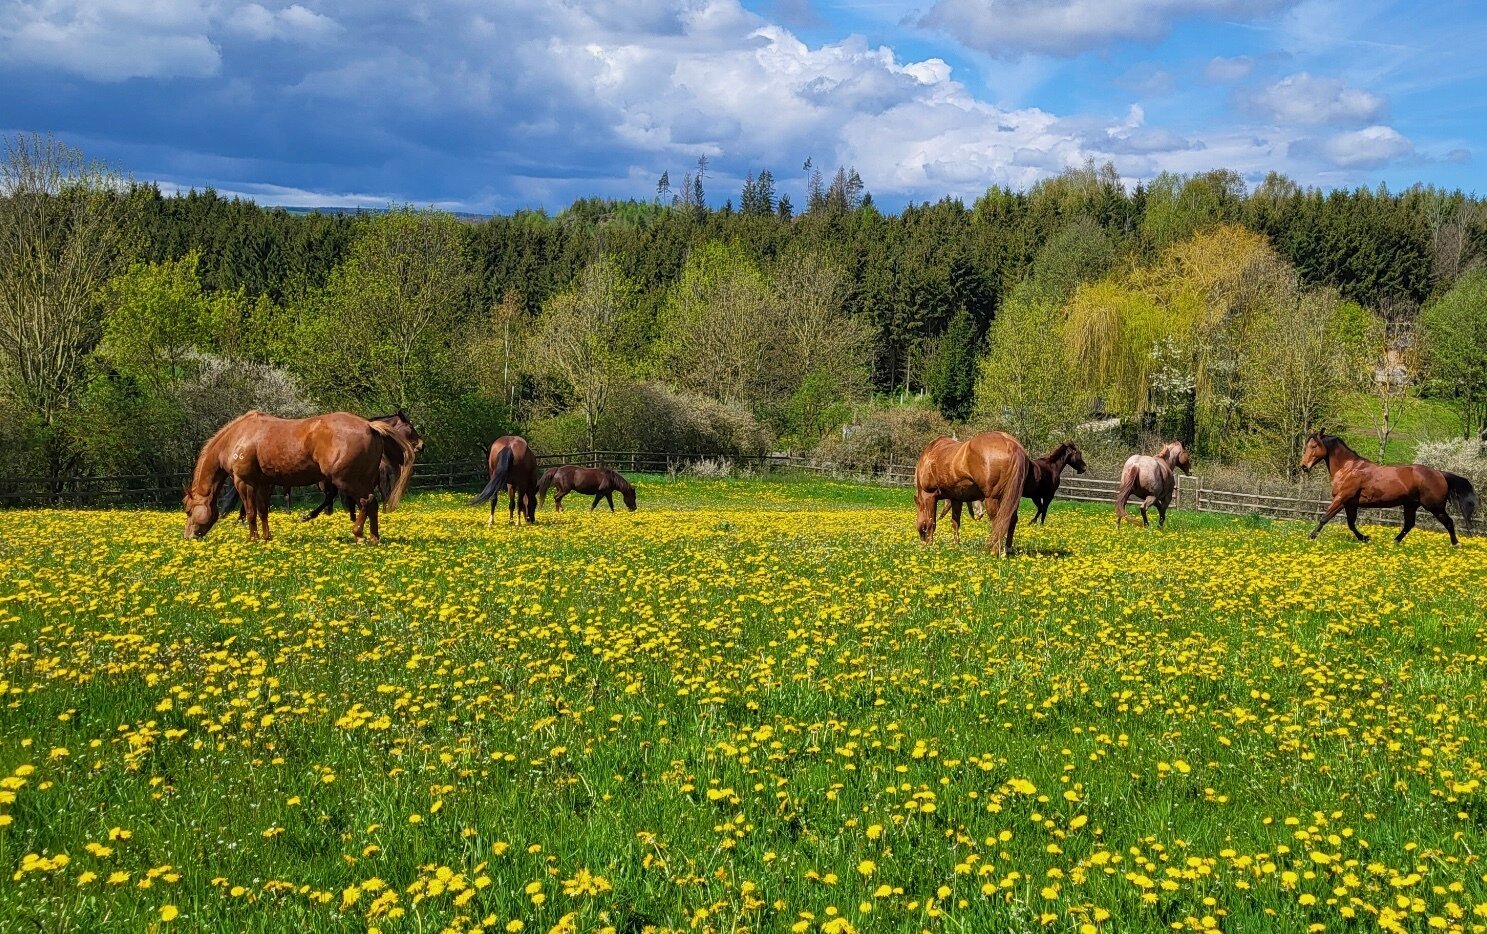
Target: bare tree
1392	373
60	241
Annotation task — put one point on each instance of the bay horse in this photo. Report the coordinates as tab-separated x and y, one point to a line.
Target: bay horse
598	482
1152	478
513	467
1358	482
1043	478
991	467
259	452
398	420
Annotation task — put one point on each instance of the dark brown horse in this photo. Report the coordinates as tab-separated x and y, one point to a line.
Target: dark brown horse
1153	479
399	421
1043	478
991	467
598	482
513	467
259	452
1360	483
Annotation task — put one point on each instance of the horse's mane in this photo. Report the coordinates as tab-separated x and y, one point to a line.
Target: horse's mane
1054	454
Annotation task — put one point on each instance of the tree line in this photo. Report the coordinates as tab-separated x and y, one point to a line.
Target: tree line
133	323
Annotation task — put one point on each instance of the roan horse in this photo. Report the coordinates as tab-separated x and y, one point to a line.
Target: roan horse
1043	478
513	467
1152	478
1359	482
399	420
992	467
598	482
259	452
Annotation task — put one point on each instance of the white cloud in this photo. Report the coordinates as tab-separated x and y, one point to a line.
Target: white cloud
1228	70
1302	99
1367	148
293	23
1069	27
110	40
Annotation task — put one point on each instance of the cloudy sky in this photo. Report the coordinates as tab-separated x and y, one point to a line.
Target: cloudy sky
493	105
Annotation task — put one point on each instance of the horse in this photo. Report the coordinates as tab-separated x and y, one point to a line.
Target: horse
1043	477
598	482
513	467
1359	482
398	420
259	452
991	466
1152	478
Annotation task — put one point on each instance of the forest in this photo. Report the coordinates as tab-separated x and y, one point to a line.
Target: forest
1237	317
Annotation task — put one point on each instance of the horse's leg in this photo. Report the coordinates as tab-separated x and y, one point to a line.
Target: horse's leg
495	498
263	510
511	503
1333	509
1162	513
1409	521
1145	505
953	506
595	504
1351	510
557	499
1120	508
1444	519
249	498
376	536
363	505
1011	528
988	509
1041	515
609	498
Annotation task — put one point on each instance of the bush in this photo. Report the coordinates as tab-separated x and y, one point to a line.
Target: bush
884	436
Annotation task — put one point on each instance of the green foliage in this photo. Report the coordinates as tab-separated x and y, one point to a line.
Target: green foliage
1455	332
951	378
1024	383
157	318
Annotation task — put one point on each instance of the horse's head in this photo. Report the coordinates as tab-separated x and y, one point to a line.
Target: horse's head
201	512
926	503
628	492
1076	459
404	425
1175	453
1314	451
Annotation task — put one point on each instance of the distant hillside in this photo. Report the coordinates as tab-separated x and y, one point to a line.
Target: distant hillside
299	210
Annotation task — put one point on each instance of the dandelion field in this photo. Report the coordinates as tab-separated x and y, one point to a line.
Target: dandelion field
751	706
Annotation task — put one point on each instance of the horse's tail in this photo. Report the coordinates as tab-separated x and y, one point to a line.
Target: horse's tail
545	483
498	478
401	456
1011	500
1461	495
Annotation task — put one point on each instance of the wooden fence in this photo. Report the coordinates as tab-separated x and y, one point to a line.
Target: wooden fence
165	489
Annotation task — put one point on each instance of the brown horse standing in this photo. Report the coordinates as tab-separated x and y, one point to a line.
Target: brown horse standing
991	467
1043	477
258	452
598	482
1359	482
1152	478
513	467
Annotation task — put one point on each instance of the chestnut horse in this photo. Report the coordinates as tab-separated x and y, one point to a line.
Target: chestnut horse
513	467
1359	482
992	467
398	420
258	452
598	482
1152	478
1043	477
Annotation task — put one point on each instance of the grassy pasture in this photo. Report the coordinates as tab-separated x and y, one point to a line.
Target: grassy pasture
752	705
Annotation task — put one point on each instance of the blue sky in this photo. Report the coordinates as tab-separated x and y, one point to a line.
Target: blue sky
504	104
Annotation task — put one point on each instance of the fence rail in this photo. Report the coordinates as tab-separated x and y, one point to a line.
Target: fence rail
165	488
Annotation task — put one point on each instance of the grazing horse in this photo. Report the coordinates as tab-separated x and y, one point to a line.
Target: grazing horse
258	452
1043	477
1359	482
991	467
598	482
1152	478
513	467
399	420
